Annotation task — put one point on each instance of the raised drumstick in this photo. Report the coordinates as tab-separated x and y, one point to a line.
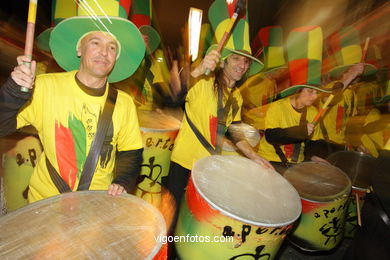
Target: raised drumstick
29	44
240	5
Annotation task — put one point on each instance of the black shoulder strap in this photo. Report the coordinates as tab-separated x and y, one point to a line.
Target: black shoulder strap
200	137
96	146
222	114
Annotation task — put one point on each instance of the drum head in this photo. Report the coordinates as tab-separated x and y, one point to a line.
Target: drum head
318	181
246	191
82	225
358	166
157	121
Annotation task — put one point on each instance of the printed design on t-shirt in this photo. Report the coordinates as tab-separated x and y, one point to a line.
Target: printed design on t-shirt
213	121
70	146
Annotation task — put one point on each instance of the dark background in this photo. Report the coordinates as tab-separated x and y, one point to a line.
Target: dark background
171	15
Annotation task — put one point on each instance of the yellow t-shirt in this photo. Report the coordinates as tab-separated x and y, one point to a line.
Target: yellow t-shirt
201	107
281	114
66	120
336	117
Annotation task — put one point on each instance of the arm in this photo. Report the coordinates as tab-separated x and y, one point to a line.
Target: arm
11	98
290	135
248	151
127	170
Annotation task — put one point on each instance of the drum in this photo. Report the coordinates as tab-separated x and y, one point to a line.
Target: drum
234	208
21	153
358	166
324	191
159	132
240	131
84	225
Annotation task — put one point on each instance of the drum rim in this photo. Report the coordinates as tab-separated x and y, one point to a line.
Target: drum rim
334	196
241	219
158	246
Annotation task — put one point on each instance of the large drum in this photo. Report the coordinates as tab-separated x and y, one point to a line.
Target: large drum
159	132
359	167
324	191
234	208
20	154
84	225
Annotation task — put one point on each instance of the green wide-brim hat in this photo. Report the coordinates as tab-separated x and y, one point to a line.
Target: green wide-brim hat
42	40
255	67
154	38
338	71
291	90
66	34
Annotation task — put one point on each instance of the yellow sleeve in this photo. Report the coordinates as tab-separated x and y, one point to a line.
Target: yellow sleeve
273	115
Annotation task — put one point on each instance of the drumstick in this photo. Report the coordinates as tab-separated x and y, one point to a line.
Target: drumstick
29	44
359	218
240	5
326	104
330	98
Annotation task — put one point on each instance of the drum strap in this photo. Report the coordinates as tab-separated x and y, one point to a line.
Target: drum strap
200	137
222	113
90	163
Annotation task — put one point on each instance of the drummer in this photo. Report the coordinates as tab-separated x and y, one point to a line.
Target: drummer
202	128
288	120
64	107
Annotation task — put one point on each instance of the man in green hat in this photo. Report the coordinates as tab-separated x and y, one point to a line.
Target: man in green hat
66	108
212	104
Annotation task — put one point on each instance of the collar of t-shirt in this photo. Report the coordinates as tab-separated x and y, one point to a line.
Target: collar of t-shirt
97	92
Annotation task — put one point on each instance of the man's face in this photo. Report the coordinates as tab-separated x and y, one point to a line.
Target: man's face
98	53
308	96
236	66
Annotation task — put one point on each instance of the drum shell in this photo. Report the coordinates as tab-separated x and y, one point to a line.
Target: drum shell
18	164
158	145
198	218
321	225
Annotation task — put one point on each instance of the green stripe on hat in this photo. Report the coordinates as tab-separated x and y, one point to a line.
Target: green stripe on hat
297	45
217	13
239	35
141	7
276	36
314	72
